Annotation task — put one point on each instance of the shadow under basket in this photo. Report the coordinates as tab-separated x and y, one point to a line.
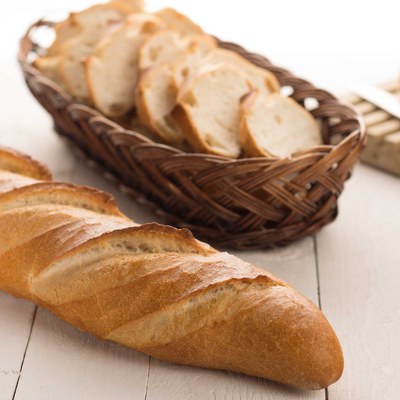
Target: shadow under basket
247	203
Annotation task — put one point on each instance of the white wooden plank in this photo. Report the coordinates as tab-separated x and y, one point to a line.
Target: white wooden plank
359	260
296	264
15	324
63	363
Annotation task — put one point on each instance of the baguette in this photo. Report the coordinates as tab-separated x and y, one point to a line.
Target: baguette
275	126
153	288
112	71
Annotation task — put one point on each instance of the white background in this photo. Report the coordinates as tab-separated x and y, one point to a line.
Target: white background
323	40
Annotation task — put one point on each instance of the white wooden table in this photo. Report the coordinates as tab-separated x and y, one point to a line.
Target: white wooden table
352	268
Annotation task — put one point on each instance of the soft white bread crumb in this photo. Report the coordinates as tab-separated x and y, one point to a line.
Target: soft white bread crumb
259	78
112	71
181	23
93	23
276	126
207	111
168	46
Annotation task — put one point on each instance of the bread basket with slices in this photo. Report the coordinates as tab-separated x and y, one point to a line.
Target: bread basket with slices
214	138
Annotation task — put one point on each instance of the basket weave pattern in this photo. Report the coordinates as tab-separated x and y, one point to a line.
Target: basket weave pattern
247	203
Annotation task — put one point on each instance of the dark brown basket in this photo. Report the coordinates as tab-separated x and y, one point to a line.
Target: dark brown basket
247	203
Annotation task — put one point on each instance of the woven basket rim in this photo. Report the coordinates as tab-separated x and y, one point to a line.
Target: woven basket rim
26	46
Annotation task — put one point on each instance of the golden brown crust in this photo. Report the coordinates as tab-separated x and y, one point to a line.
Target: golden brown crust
156	288
60	193
274	322
14	161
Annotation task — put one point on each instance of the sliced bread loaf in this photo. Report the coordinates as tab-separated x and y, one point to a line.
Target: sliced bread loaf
207	110
276	126
93	23
181	23
112	70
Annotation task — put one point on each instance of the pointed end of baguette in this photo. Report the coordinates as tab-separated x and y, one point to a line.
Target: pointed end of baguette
19	163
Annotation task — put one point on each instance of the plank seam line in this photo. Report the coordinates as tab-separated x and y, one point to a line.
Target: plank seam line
147	380
25	351
317	271
318	288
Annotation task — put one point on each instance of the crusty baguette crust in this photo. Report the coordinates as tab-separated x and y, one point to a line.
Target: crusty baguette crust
155	288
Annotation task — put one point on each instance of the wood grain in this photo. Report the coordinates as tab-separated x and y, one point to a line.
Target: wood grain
359	260
15	325
64	363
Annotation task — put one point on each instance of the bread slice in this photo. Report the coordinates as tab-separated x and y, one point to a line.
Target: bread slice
155	99
157	90
70	27
64	31
112	71
94	23
181	23
50	67
276	126
207	110
76	25
168	45
258	77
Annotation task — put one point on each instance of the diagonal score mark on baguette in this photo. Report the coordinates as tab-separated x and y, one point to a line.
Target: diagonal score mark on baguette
154	288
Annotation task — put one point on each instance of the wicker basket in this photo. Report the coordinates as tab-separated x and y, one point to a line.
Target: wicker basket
247	203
